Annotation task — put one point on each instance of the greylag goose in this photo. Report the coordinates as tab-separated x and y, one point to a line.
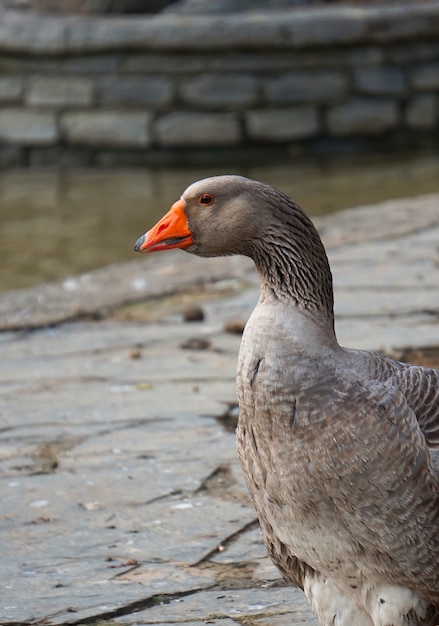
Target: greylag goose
339	447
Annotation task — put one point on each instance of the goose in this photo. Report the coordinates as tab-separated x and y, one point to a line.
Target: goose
339	447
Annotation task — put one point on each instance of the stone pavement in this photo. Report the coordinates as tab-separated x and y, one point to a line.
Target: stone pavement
122	498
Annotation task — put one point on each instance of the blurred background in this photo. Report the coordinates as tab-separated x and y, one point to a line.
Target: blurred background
110	108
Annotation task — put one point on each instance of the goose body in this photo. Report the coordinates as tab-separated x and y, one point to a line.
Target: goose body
339	448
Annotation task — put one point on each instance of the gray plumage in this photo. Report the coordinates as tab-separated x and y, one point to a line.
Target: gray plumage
339	448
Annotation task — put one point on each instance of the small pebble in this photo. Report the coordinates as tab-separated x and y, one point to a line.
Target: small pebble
235	327
96	505
196	343
193	313
135	353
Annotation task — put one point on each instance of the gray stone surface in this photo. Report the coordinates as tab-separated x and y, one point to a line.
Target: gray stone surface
52	64
139	90
370	60
236	605
92	64
11	89
229	91
274	125
364	55
422	111
318	26
23	126
121	494
11	156
380	81
86	7
106	128
175	32
419	51
173	63
59	91
198	129
362	116
101	290
194	7
321	26
399	21
306	87
426	76
31	34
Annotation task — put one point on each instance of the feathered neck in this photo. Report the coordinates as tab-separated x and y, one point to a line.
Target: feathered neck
291	260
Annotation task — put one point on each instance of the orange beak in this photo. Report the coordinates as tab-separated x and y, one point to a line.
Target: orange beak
172	231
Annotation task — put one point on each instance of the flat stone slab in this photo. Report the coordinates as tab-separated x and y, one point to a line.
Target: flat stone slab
284	28
122	496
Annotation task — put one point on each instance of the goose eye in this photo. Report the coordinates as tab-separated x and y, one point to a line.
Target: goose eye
205	199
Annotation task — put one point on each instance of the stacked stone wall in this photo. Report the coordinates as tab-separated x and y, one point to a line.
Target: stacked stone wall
133	90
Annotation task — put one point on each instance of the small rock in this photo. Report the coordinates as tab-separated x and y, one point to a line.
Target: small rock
135	353
235	326
96	505
196	343
193	313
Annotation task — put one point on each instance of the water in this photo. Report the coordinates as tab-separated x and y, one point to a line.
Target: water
55	224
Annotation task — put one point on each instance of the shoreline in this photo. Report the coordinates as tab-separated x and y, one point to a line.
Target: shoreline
97	293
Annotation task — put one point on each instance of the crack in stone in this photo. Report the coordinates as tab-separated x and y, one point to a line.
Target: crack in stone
165	496
226	542
218	481
132	607
45	455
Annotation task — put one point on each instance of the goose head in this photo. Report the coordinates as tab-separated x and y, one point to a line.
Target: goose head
226	215
216	216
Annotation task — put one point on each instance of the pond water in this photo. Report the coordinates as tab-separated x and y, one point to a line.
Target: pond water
54	224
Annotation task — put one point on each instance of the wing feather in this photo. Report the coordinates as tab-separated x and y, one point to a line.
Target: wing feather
395	519
421	388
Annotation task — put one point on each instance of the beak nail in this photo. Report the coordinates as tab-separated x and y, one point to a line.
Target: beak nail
139	243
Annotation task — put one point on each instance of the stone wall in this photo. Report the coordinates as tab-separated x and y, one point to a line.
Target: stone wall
138	90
